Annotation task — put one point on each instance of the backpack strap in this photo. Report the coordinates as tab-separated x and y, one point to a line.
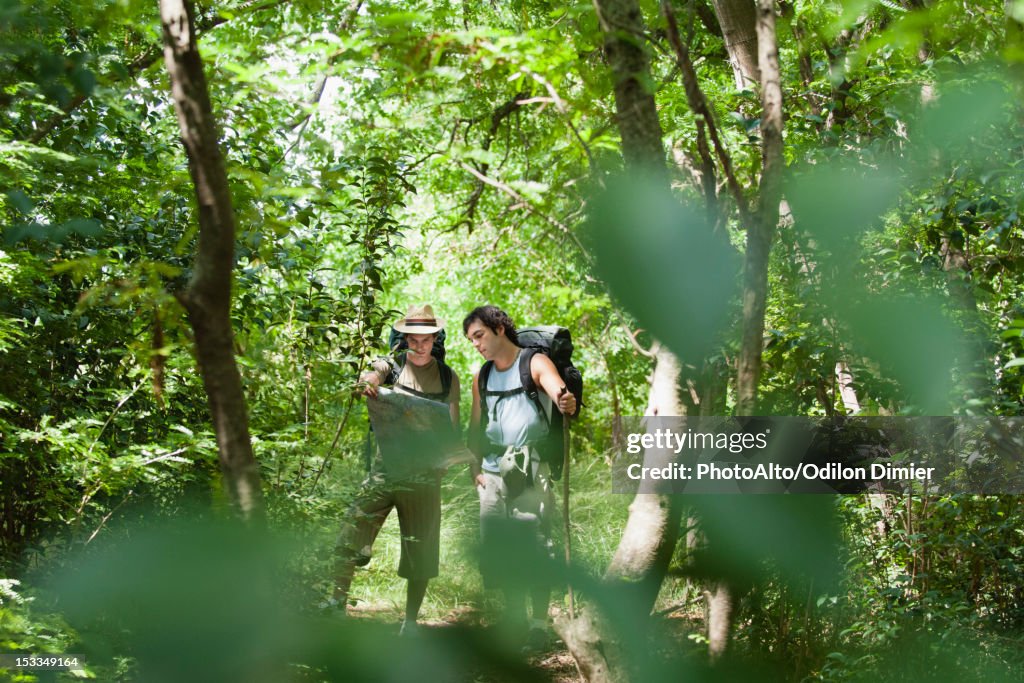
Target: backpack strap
481	385
397	364
482	378
485	373
526	379
446	378
526	385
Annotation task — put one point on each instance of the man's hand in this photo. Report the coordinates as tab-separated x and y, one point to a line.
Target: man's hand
566	402
545	376
477	476
372	381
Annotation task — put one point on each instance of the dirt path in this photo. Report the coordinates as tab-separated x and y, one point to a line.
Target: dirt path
477	648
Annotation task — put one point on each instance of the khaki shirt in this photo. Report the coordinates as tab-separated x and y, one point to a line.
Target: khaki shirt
426	379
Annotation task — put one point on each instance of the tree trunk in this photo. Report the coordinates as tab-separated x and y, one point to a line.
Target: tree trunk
762	229
844	380
738	19
607	649
642	557
973	362
755	278
636	114
719	600
650	536
207	299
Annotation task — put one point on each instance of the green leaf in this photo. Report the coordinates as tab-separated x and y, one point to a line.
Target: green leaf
663	260
20	201
400	18
86	227
84	80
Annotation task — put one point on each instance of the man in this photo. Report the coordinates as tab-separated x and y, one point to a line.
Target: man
417	498
508	429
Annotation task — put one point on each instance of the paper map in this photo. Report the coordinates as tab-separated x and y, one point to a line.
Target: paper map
415	434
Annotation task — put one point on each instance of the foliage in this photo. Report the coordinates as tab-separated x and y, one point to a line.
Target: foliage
23	629
466	153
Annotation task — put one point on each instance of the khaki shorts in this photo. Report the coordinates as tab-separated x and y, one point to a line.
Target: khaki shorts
419	518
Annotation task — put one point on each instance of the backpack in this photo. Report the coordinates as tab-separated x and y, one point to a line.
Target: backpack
555	343
398	345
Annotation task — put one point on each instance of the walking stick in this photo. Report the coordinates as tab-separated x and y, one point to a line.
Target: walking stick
565	514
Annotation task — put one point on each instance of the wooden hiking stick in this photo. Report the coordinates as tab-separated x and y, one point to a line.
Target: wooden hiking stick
565	514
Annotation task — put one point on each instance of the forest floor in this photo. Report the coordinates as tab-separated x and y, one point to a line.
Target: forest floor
552	663
469	627
459	617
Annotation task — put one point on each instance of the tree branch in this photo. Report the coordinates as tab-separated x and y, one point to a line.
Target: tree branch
497	117
562	109
145	60
631	335
351	12
555	223
699	105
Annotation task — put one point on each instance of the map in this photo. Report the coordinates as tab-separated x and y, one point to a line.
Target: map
415	434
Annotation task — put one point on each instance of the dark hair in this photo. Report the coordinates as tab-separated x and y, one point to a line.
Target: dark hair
492	317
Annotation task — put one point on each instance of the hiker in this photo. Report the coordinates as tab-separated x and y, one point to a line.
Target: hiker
419	371
508	427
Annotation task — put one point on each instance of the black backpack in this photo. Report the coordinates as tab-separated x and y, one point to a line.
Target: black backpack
555	343
398	345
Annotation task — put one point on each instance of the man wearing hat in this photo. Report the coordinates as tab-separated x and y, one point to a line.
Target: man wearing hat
418	498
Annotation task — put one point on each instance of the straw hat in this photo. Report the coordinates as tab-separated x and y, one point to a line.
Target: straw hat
420	320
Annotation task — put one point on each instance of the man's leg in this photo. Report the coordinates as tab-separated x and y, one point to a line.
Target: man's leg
492	517
540	593
414	593
540	596
365	518
497	557
344	568
419	518
537	636
515	611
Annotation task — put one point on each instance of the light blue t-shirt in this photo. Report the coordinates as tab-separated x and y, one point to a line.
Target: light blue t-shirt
512	420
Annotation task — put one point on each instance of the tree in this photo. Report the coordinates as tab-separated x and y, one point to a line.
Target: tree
648	541
448	151
761	232
738	21
208	295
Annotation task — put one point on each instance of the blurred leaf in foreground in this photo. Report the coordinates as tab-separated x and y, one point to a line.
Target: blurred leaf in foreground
665	263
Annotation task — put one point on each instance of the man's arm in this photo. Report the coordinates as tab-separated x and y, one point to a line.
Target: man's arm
454	396
545	375
475	441
374	377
